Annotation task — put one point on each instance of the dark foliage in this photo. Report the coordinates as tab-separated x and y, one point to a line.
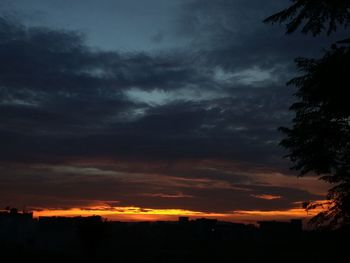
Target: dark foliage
314	16
319	139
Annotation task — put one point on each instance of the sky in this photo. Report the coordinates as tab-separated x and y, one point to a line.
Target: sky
149	110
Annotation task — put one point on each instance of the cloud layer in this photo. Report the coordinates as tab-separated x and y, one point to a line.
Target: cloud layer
190	128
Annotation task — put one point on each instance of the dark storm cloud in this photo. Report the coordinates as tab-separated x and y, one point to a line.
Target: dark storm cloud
59	99
241	129
58	61
231	34
62	102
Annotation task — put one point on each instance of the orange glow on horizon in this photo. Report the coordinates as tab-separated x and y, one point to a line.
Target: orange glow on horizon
267	197
300	213
148	214
274	214
125	213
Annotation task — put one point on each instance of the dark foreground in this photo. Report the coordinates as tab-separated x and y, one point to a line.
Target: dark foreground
92	239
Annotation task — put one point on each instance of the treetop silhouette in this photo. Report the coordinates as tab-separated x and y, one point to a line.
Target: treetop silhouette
319	140
314	16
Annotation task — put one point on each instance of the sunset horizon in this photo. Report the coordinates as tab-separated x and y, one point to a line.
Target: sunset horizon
150	110
137	214
174	131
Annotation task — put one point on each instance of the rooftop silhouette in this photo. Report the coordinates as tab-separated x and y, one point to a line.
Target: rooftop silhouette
184	240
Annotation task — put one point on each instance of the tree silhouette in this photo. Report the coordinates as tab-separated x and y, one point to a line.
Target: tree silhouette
314	15
319	139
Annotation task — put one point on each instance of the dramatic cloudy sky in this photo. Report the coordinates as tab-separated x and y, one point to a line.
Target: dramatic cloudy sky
148	109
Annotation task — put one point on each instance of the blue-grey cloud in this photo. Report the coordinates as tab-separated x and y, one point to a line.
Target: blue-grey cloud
59	98
221	97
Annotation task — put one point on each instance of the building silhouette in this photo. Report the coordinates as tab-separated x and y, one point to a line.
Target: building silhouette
185	240
295	225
